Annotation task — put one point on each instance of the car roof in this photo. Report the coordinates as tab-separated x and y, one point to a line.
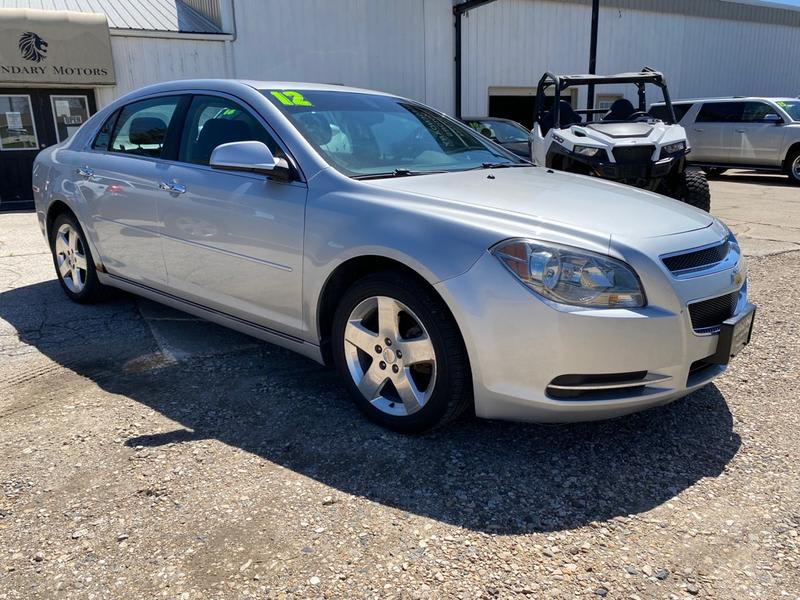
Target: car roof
730	99
232	84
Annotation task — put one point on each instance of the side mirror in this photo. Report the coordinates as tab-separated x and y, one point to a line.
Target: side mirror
772	118
250	157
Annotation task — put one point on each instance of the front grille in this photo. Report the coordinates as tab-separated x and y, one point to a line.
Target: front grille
710	314
697	259
633	154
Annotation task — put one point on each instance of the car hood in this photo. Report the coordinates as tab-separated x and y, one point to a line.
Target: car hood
625	134
584	203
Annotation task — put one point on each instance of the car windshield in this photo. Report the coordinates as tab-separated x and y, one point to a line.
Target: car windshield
504	132
366	135
792	107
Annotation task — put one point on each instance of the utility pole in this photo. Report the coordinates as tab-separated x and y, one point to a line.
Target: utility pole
593	52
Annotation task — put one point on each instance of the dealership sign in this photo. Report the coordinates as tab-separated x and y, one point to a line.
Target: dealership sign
48	46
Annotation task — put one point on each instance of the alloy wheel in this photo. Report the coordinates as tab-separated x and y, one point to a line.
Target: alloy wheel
390	356
71	258
796	167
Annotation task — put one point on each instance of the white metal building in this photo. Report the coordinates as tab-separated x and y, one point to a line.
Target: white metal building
705	47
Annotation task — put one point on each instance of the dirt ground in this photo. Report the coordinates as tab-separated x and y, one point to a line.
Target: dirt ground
145	454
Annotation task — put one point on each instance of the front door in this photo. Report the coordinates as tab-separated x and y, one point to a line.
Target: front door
30	120
232	241
710	135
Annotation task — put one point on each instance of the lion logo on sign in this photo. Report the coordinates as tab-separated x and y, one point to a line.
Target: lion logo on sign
32	47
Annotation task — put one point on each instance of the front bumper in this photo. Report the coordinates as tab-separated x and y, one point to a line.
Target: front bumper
519	345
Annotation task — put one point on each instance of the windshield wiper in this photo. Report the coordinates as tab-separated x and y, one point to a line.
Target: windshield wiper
395	173
491	165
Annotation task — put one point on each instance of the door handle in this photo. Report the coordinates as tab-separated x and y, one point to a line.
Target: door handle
697	129
740	130
85	171
172	188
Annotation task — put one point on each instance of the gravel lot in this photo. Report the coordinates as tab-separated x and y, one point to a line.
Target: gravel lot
135	464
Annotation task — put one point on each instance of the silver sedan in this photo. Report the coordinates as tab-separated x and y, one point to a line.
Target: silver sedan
435	270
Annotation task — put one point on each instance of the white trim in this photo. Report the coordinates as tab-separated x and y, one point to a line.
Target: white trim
53	110
173	35
33	123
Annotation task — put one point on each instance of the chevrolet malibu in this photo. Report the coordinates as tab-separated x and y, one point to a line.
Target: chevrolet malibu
435	270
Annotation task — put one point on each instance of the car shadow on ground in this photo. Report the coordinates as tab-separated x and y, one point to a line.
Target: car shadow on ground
754	177
485	476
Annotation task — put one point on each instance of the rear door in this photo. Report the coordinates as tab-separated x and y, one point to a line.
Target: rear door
233	241
119	180
755	139
711	134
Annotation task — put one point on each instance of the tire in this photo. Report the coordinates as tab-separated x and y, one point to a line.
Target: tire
73	262
693	189
714	172
428	386
793	166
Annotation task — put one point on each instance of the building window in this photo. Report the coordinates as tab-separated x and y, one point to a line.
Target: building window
17	129
604	101
69	113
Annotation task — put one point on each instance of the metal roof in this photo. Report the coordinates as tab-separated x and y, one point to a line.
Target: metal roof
753	11
139	15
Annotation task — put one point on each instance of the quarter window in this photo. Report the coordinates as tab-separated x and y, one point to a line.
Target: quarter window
721	112
142	127
212	121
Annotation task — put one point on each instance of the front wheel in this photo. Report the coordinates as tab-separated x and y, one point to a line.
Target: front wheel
400	353
690	187
793	167
714	172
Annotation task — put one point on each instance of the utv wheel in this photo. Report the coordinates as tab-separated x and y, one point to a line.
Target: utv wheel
693	189
793	167
400	353
714	172
73	261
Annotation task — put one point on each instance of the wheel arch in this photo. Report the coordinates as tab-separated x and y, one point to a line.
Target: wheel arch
347	273
58	207
795	147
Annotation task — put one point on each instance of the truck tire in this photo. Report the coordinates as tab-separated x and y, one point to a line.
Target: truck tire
693	189
793	166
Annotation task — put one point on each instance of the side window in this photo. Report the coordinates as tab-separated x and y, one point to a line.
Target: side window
103	136
212	121
754	112
142	127
721	112
661	113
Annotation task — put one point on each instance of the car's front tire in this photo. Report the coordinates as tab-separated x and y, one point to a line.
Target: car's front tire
72	259
400	353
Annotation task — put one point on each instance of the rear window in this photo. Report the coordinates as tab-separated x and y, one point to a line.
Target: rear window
721	112
659	111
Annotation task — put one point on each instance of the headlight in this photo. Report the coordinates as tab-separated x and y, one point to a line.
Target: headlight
571	276
587	151
675	148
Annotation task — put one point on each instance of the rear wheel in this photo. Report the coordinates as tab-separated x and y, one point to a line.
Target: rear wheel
400	353
793	167
73	261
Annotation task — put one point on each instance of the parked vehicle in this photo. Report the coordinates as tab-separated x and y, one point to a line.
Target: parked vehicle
509	134
622	143
762	134
429	265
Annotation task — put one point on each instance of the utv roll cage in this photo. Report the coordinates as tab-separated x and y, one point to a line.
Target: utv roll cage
562	82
